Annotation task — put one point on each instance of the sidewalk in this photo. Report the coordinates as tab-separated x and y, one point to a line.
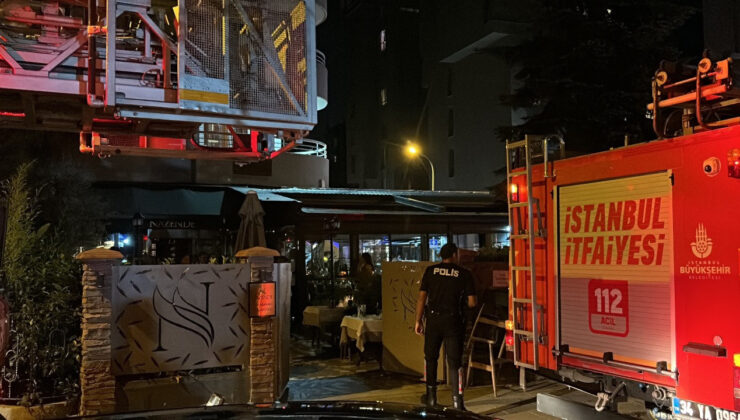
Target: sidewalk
319	374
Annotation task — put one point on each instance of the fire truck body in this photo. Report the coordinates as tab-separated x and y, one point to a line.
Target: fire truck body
636	266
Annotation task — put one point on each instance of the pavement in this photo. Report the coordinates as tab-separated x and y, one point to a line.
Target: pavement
319	374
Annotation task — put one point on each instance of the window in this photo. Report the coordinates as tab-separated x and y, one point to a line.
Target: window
451	164
436	241
449	82
405	247
469	241
383	97
382	40
341	255
378	246
450	123
324	257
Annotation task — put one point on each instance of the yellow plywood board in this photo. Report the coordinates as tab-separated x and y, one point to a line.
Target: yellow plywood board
403	349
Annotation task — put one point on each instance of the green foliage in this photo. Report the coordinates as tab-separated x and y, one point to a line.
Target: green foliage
584	67
42	283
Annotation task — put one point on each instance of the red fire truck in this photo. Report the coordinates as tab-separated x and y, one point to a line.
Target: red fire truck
624	265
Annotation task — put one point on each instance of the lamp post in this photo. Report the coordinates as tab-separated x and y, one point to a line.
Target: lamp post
137	222
411	150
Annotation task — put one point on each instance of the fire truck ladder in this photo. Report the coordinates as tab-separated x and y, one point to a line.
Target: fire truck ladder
523	237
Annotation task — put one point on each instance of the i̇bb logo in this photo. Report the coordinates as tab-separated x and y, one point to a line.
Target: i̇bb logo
608	304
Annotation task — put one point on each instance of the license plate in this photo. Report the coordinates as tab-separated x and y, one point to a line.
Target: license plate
684	409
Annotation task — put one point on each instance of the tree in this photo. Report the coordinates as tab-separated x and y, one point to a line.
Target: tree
584	66
41	281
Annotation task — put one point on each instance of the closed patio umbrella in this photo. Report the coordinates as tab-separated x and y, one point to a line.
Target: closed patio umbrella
252	227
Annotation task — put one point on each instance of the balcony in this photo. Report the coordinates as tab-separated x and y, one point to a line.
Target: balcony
310	147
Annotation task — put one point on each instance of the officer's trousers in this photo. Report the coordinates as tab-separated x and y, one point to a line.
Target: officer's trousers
442	328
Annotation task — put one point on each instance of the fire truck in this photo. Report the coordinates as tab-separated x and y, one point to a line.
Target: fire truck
196	79
624	264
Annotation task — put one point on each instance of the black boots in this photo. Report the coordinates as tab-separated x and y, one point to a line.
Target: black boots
431	396
455	376
457	402
430	375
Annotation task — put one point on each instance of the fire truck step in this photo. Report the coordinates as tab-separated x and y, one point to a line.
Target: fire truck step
516	144
522	236
520	204
524	332
520	268
517	173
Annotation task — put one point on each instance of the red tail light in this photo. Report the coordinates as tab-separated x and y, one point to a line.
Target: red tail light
509	338
733	163
514	189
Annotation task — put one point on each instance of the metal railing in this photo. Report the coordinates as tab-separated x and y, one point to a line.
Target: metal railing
310	147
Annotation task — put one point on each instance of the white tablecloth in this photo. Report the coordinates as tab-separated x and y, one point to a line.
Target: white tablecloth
365	329
319	316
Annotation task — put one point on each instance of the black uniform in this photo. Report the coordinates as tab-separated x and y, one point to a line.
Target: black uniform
448	287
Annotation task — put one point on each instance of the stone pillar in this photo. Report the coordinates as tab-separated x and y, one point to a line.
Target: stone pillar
97	383
262	359
262	335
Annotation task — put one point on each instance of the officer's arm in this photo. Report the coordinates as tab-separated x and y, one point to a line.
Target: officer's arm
470	290
418	326
420	303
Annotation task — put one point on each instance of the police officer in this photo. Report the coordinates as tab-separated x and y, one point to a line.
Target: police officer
446	289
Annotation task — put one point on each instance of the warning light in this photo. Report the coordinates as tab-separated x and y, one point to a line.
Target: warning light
514	189
146	238
509	324
736	359
733	160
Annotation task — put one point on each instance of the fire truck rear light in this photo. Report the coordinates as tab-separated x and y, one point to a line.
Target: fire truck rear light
514	189
736	359
509	324
733	160
509	338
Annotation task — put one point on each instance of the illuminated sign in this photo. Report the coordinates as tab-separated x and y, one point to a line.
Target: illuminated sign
262	302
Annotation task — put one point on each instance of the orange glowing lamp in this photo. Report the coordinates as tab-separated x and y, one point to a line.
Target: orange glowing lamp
514	189
262	300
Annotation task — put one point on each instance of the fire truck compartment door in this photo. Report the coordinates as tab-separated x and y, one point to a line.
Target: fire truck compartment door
616	259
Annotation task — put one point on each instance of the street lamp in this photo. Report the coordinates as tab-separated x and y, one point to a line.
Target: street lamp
412	150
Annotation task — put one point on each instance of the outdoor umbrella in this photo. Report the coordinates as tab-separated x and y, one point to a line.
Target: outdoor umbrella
252	227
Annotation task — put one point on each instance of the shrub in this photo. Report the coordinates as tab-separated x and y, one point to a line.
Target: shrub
41	281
